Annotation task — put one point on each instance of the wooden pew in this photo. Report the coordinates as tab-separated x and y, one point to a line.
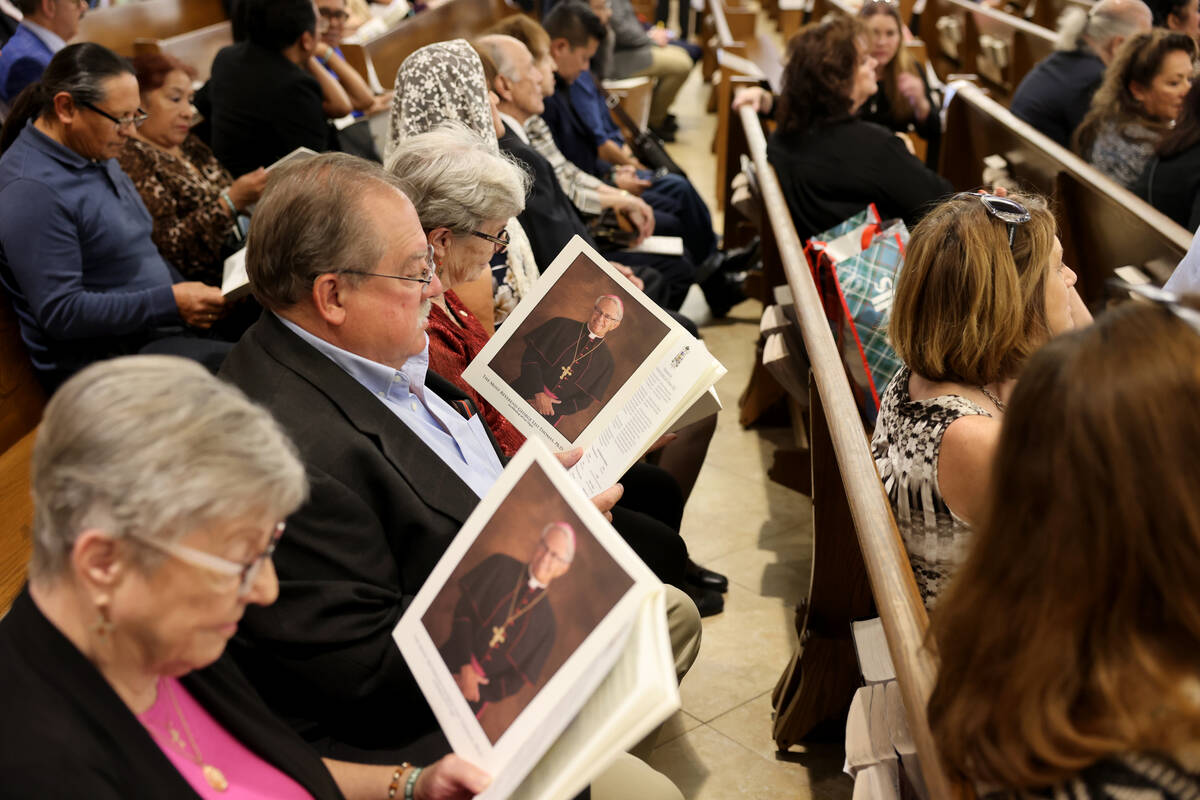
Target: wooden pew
1047	12
741	53
1102	225
451	19
859	560
1022	44
118	27
21	402
195	48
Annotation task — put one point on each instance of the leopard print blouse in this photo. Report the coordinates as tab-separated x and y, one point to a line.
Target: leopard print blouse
184	198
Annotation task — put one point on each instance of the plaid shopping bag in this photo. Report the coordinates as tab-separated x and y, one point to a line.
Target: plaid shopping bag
854	266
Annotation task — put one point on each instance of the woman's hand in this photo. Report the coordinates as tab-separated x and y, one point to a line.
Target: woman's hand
626	177
756	97
199	305
245	191
629	275
639	213
913	89
450	778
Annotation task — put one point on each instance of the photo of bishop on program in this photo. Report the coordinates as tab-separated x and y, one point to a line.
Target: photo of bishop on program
526	594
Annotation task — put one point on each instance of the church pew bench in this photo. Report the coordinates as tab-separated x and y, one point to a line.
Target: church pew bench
860	566
451	19
118	27
1101	224
21	403
999	47
1047	12
195	48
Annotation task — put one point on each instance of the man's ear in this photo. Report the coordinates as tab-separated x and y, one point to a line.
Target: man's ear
503	88
307	42
65	108
559	48
328	297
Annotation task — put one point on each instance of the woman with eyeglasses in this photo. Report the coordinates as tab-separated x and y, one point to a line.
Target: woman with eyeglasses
1067	642
194	200
831	163
158	498
982	288
77	256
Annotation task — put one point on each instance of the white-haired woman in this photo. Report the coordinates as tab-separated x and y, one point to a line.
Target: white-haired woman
159	494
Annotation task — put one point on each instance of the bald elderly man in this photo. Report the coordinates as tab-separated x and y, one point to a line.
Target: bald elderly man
504	625
567	364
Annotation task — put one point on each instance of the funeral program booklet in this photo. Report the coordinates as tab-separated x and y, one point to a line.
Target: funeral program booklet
587	360
540	638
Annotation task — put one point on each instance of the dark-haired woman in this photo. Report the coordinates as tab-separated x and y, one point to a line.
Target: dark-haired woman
831	163
77	258
1141	96
1171	182
193	199
1177	15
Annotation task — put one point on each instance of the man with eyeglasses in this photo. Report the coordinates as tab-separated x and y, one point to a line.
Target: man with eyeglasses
46	28
567	366
397	458
503	626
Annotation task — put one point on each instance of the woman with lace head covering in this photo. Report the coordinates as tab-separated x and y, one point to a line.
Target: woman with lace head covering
446	82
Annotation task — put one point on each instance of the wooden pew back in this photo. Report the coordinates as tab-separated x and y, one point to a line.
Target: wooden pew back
21	402
195	48
1102	225
857	552
118	27
999	47
452	19
1047	12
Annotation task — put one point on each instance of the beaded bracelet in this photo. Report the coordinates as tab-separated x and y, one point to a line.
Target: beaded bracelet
412	783
228	202
394	786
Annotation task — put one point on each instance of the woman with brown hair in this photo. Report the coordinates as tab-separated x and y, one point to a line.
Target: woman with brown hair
832	164
1138	102
1068	640
903	102
983	287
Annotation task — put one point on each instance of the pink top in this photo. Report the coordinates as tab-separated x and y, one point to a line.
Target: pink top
175	714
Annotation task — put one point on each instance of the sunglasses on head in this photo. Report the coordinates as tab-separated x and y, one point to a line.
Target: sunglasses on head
1005	209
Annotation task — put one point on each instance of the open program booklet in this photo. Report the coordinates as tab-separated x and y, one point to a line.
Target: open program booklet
587	360
540	639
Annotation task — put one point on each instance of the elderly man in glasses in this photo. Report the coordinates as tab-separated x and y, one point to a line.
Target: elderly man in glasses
567	366
397	457
503	626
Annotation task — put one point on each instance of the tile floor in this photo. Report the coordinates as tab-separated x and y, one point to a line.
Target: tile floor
740	523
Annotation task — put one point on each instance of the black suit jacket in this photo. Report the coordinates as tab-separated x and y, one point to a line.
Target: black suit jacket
383	508
66	734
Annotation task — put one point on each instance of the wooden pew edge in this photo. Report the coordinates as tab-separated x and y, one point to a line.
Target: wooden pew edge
893	585
1178	235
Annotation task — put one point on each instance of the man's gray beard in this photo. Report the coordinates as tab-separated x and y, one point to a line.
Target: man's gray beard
426	307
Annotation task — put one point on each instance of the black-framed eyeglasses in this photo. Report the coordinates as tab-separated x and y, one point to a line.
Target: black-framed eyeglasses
1005	209
1168	300
135	120
425	279
501	241
333	14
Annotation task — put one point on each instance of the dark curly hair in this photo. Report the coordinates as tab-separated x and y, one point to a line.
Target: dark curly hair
819	74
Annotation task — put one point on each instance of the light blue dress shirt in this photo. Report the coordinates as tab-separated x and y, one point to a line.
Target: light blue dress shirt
461	443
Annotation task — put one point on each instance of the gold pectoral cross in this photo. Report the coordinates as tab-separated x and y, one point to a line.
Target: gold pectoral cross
497	637
565	372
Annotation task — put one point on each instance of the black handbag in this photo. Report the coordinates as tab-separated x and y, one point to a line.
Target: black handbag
612	231
648	148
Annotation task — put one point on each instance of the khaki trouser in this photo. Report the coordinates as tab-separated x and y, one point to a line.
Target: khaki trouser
671	65
630	776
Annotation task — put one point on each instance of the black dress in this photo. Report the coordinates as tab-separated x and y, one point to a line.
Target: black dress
836	169
1172	185
66	734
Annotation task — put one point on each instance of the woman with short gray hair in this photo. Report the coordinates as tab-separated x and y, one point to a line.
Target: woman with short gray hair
159	495
465	193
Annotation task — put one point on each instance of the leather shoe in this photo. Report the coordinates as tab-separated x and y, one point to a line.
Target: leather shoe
722	291
705	578
664	133
707	601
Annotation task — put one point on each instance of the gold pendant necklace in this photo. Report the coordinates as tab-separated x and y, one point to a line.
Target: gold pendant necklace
499	632
216	779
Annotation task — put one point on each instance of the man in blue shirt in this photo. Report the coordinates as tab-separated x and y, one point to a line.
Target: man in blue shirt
397	457
47	27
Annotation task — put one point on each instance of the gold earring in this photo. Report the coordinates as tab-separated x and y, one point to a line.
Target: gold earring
103	626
